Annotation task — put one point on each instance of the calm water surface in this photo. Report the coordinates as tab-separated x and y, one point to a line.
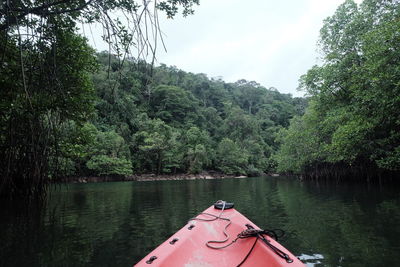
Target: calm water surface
116	224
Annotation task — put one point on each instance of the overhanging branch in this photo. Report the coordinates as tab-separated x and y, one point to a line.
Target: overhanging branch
11	19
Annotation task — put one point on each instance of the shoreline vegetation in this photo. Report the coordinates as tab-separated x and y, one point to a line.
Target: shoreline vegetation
84	113
162	177
351	127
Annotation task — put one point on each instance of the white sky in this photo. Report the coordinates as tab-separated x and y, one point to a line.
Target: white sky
271	42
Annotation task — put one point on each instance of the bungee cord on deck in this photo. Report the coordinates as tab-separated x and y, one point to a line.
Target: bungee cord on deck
247	233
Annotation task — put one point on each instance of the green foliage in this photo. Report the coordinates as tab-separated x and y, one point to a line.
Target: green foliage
198	151
174	121
113	115
230	158
117	94
355	94
106	165
45	77
350	140
172	104
157	146
76	139
197	158
53	88
239	125
301	143
74	143
109	155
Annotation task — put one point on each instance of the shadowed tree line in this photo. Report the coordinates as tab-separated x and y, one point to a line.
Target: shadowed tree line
45	76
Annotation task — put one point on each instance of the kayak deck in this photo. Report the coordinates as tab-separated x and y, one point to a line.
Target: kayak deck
188	248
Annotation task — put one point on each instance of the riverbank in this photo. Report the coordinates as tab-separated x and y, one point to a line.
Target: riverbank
154	177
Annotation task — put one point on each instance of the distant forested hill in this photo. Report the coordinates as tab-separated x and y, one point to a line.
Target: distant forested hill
165	120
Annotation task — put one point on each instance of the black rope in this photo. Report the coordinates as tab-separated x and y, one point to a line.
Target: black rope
248	254
259	234
249	232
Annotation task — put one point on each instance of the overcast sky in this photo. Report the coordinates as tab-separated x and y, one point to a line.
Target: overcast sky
270	42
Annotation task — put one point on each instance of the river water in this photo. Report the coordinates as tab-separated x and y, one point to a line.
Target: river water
116	224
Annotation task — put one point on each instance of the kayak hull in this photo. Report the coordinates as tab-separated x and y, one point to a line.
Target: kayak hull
188	248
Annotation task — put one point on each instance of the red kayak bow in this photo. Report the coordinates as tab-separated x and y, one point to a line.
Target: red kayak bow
221	236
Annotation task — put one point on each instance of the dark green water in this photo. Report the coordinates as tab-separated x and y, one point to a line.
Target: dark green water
116	224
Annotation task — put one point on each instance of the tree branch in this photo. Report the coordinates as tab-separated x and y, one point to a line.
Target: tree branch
39	10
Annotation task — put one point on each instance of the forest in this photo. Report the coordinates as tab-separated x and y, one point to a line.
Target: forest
67	110
174	122
351	128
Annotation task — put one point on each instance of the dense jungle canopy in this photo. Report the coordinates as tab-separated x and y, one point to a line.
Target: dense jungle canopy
175	122
66	110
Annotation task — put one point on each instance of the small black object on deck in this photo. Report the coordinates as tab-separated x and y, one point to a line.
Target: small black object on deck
223	205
